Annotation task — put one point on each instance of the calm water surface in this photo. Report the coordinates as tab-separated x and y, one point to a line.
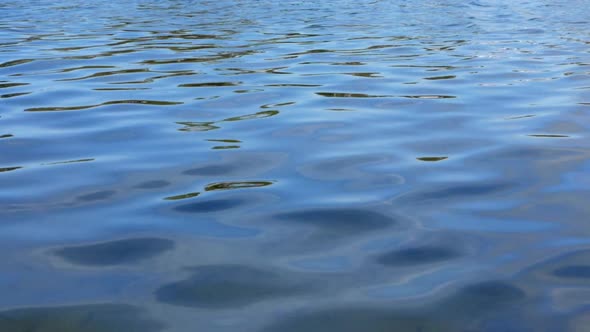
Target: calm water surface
281	166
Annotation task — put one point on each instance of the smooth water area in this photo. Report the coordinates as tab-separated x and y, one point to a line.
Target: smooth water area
277	166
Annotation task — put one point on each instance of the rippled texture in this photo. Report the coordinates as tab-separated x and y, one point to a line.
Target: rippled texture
275	166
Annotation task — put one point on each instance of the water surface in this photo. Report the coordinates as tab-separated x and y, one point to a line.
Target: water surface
271	166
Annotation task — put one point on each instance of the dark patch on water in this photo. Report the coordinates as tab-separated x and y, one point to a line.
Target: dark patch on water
569	269
417	256
118	252
471	305
154	184
389	153
97	196
339	221
226	286
79	318
487	296
236	185
212	205
573	271
359	319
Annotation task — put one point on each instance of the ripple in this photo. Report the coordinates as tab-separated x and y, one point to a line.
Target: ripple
15	63
350	95
430	97
521	117
119	89
97	196
258	115
248	90
294	85
236	185
366	74
225	147
444	77
107	73
225	140
155	78
114	102
67	70
288	103
71	161
548	136
348	63
197	126
16	94
9	169
220	56
11	85
431	158
182	196
209	84
373	147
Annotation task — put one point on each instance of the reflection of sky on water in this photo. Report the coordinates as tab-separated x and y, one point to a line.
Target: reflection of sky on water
294	165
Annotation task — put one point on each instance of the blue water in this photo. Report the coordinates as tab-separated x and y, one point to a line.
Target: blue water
276	166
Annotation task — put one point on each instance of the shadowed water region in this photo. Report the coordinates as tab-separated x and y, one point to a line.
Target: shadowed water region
454	313
218	286
261	166
91	318
119	252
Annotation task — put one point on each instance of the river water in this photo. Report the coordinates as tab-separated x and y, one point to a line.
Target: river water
276	166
